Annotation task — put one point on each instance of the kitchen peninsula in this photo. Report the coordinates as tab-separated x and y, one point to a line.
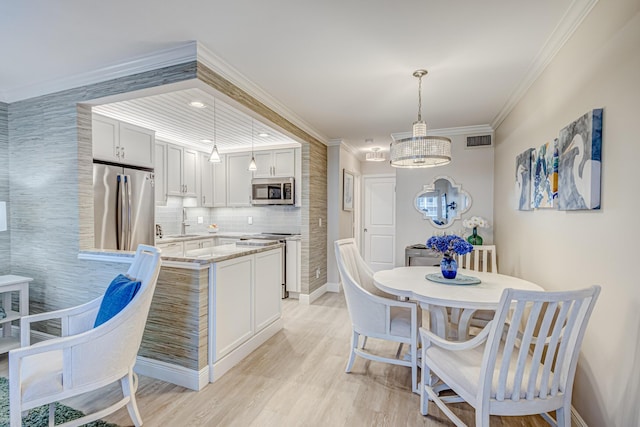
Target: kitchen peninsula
212	307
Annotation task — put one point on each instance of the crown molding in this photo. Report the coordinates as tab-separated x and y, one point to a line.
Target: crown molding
223	68
460	130
573	17
163	58
334	142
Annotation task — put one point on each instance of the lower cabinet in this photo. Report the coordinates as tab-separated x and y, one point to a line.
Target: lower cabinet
171	249
246	298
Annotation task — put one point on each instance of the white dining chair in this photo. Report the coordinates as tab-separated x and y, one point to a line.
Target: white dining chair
509	370
98	346
373	314
482	258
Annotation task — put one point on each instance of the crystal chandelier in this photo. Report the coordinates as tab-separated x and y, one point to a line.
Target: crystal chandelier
420	150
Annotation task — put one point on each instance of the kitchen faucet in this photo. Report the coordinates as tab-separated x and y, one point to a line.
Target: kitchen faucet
184	224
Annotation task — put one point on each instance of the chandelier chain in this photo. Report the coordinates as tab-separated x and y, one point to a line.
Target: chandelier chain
420	98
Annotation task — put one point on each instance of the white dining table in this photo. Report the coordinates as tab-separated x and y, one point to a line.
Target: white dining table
411	283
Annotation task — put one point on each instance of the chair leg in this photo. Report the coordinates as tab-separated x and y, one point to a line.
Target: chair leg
52	414
425	378
129	390
414	368
482	418
354	344
563	416
364	341
15	406
399	351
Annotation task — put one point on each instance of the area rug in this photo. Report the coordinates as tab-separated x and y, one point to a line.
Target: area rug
39	417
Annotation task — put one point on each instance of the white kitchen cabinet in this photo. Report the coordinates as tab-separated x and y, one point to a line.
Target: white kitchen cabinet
246	299
233	304
275	163
238	180
182	168
197	244
293	262
160	174
121	142
206	181
220	182
267	288
171	249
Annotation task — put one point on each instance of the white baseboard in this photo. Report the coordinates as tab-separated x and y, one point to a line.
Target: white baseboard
223	365
309	299
333	287
174	374
576	419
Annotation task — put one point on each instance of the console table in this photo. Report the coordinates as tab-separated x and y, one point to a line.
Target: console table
8	285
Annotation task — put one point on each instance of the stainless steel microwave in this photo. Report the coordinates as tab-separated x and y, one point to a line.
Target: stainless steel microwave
272	191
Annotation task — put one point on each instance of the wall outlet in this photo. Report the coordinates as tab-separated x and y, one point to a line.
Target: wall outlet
317	273
249	220
319	222
200	220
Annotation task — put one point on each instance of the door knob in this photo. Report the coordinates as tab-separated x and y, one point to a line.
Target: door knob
365	230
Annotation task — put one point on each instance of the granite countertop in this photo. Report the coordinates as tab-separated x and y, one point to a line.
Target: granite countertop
221	253
225	234
196	256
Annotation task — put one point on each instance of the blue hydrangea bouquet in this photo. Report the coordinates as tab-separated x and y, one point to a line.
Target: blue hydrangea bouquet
448	246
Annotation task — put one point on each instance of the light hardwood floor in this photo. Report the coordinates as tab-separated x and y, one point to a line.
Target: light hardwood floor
296	378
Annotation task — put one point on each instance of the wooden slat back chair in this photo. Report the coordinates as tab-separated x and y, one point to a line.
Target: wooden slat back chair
375	316
85	357
522	363
482	258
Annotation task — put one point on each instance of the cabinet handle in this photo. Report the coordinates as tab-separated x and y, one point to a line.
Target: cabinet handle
204	200
118	152
122	151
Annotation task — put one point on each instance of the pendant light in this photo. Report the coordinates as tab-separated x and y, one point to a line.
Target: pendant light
375	155
252	163
214	157
420	150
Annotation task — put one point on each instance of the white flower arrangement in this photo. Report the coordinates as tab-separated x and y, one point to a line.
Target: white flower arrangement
475	222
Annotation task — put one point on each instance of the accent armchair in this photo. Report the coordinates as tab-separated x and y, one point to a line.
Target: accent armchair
98	346
373	314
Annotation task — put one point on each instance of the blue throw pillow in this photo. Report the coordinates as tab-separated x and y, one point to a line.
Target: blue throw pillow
119	293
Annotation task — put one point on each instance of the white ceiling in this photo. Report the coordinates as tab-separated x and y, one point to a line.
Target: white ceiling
343	67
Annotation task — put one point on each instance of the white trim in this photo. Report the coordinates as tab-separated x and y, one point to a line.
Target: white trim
333	287
460	130
174	374
163	58
220	66
576	419
573	17
309	299
334	142
222	366
121	258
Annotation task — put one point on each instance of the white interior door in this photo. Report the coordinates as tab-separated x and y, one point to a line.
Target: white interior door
379	222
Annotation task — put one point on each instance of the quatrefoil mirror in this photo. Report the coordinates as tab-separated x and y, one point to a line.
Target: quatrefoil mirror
442	202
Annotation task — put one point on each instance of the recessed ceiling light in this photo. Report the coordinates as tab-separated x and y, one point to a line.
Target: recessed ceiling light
198	104
263	134
207	141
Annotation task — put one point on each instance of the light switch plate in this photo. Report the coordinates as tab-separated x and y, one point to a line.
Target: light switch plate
249	220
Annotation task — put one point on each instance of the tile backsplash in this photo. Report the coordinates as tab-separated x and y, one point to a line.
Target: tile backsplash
274	219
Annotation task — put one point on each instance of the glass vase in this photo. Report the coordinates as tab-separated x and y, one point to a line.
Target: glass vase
449	267
475	239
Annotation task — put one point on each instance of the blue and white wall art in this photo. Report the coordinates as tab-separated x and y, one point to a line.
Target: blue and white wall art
544	176
579	163
523	180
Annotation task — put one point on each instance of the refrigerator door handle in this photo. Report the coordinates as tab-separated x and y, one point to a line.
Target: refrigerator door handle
120	238
127	186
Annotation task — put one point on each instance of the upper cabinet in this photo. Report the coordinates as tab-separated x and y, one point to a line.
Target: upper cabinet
275	163
206	181
182	171
238	179
120	142
160	174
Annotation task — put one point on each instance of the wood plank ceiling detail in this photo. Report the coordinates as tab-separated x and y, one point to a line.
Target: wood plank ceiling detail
174	120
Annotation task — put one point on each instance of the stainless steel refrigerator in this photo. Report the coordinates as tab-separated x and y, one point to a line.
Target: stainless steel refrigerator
123	206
